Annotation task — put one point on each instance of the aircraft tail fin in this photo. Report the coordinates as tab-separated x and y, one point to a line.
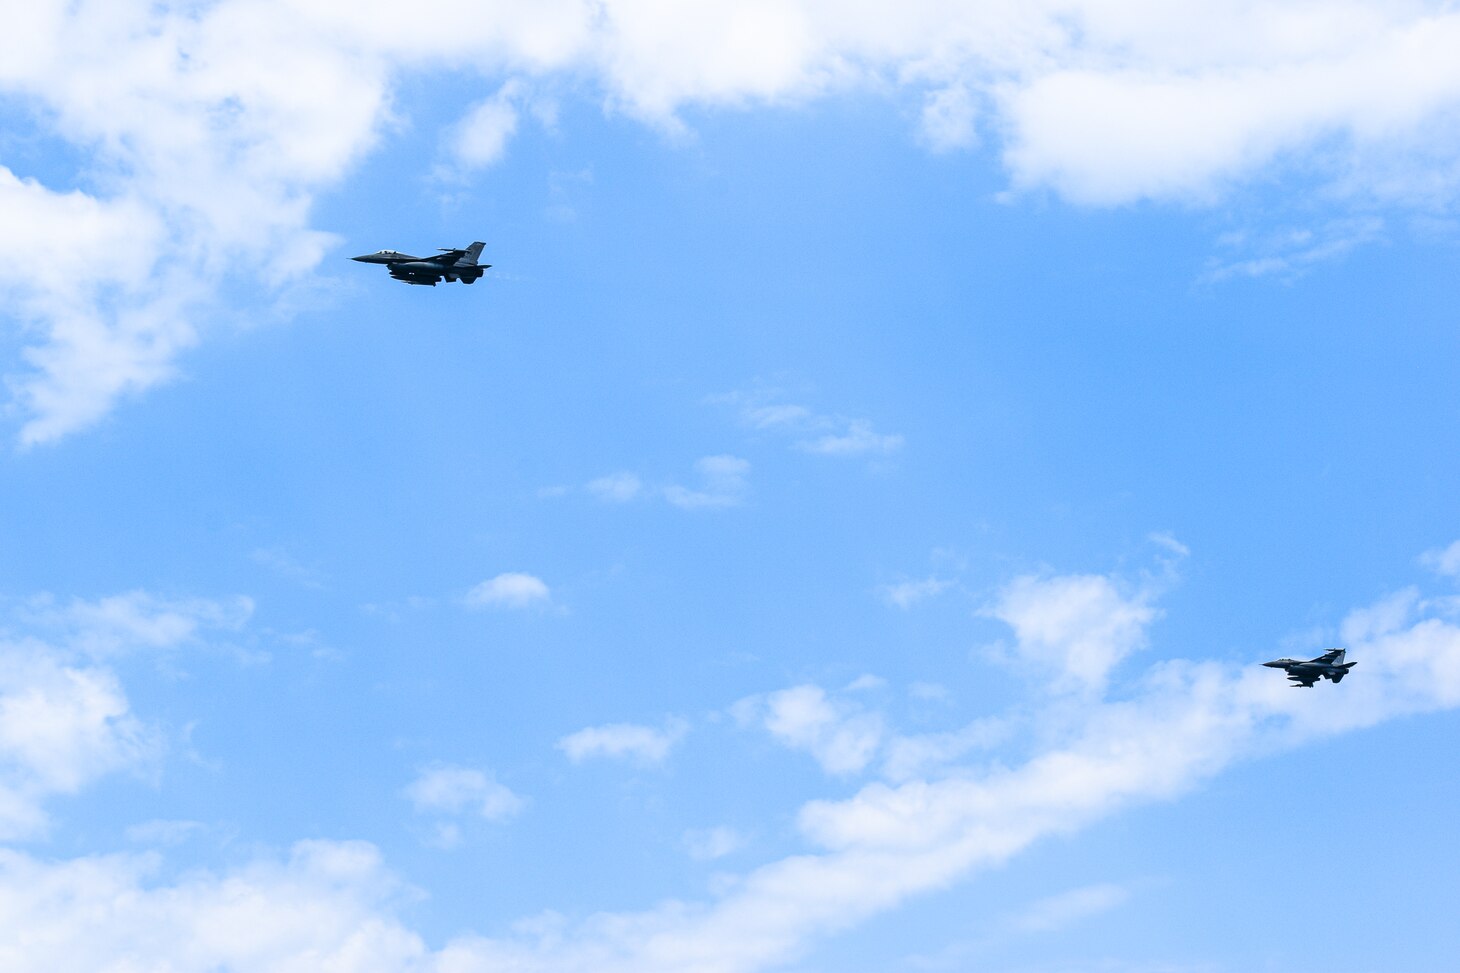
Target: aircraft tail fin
472	253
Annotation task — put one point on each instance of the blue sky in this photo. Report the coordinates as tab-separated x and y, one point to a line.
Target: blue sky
839	533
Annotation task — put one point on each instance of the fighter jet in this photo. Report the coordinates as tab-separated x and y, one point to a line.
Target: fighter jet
447	265
1329	665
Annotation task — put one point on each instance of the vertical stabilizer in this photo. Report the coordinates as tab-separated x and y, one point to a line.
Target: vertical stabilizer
472	253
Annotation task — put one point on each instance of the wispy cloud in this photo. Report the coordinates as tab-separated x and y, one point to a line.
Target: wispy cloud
1066	908
826	435
1445	561
924	754
856	439
1291	252
620	487
288	567
447	792
711	843
720	481
905	594
723	482
643	744
135	620
164	832
65	718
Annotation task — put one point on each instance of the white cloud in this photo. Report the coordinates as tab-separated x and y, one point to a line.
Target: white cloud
1445	561
65	720
827	435
288	567
723	483
481	138
1073	628
929	691
199	160
929	753
1168	542
1066	908
333	905
1290	252
949	117
645	744
327	907
844	736
778	414
164	832
712	843
1179	123
1188	722
620	487
905	594
509	590
856	439
117	624
839	734
61	727
89	311
442	788
208	133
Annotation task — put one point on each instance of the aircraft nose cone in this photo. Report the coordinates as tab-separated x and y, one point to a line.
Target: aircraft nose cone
1271	665
362	259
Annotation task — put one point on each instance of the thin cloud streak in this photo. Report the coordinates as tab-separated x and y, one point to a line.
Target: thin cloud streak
811	432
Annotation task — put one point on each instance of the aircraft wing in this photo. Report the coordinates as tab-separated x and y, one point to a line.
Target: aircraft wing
1305	679
1330	657
448	255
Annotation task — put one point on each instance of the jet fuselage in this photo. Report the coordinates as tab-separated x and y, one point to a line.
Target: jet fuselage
1329	665
449	265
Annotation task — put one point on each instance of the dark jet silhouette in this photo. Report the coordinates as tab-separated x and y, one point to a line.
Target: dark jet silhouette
1329	665
447	265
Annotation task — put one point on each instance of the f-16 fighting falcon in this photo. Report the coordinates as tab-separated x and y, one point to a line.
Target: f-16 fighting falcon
1329	665
447	265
